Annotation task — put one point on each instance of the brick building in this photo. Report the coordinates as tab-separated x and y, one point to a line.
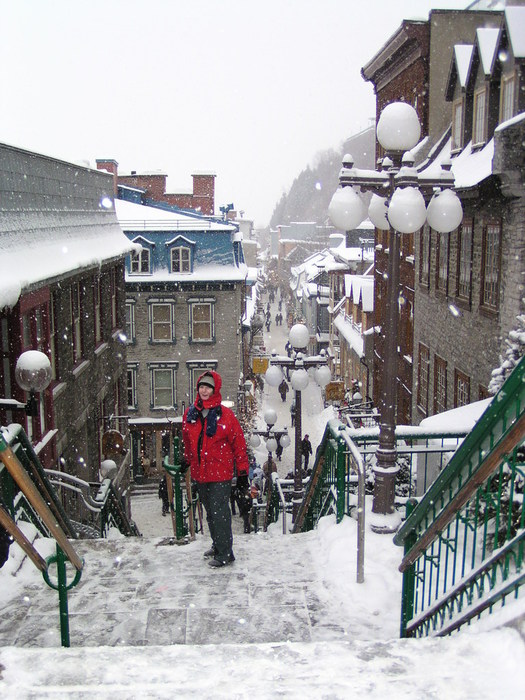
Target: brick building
150	188
62	292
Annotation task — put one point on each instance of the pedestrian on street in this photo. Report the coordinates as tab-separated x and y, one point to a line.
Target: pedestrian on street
306	450
214	445
292	412
283	389
163	494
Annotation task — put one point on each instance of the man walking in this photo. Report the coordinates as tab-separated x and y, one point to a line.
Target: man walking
306	450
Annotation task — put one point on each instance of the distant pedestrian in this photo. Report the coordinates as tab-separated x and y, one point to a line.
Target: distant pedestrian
163	494
306	450
283	389
292	412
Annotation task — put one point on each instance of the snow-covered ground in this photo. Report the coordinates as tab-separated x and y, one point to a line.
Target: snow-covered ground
354	651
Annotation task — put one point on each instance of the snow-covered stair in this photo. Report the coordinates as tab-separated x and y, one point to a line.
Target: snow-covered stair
152	620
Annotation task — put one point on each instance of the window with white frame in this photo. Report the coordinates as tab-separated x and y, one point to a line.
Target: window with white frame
161	321
132	385
163	384
140	262
440	385
114	296
479	131
423	375
508	89
180	259
457	125
464	269
201	320
461	389
130	322
442	259
490	265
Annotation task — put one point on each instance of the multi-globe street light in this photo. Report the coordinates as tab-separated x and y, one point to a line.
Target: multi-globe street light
397	206
299	365
273	437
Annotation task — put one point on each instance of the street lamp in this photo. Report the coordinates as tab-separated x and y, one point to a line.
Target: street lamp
273	437
397	206
32	374
299	338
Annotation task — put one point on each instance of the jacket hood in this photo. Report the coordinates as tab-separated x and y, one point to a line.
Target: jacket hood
216	398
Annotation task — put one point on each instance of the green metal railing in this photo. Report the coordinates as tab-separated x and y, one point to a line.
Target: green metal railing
43	505
464	542
178	482
337	485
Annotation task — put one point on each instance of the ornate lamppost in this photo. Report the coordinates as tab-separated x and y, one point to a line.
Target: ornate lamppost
271	435
299	364
397	206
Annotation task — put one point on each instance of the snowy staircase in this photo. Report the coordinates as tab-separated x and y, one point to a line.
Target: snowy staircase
152	620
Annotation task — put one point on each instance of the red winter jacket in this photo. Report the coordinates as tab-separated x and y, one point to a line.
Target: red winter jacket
214	459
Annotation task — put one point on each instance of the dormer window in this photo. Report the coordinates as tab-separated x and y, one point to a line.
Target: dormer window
457	125
180	259
181	254
479	127
140	262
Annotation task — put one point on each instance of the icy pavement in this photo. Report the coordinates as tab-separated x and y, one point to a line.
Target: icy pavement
285	620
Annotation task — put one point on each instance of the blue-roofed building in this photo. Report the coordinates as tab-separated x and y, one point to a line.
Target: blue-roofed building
185	301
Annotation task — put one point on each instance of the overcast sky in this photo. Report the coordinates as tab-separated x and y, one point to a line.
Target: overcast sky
249	89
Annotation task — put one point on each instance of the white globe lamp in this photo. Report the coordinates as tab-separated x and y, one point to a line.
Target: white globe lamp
299	380
407	212
284	440
273	375
299	336
33	371
270	417
444	211
398	128
271	445
346	209
255	441
323	375
377	212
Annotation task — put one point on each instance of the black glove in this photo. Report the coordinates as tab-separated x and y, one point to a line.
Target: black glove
242	483
184	466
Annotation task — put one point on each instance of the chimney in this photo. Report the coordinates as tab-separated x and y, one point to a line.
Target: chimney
110	166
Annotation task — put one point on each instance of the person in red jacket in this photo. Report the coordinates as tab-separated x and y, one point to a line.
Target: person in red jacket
213	445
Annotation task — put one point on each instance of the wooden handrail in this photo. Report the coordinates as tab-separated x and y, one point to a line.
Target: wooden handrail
27	486
13	529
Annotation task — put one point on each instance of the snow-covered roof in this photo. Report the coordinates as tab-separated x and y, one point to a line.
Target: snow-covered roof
36	246
360	289
487	39
463	60
515	21
461	419
139	217
469	168
350	334
202	273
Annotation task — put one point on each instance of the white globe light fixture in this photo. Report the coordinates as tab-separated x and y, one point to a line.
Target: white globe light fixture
255	441
273	375
407	212
271	444
33	371
444	211
284	440
299	336
323	375
270	417
346	209
398	128
299	379
377	211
